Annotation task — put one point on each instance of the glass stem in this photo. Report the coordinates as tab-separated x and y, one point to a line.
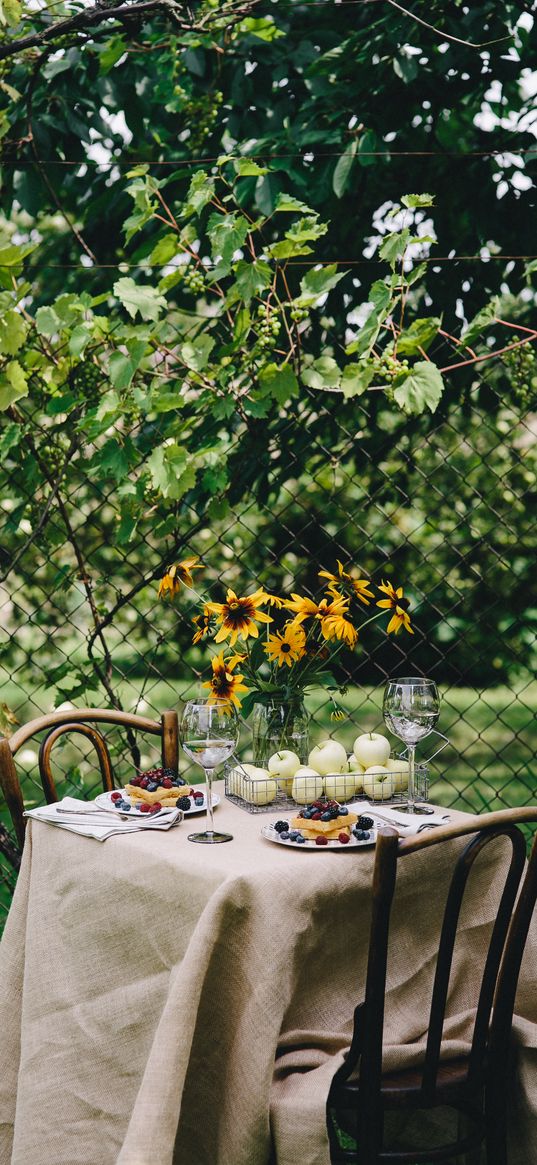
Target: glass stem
411	777
209	796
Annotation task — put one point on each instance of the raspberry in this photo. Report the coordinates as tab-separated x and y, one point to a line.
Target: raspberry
167	784
344	838
156	807
317	816
116	797
321	840
145	808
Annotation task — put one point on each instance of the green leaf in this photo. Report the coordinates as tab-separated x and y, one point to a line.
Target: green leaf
10	437
251	278
164	250
122	368
342	172
113	460
368	148
482	320
170	473
13	384
414	200
79	339
139	298
227	234
247	168
356	378
286	202
287	249
323	373
195	353
10	12
262	27
382	302
13	332
419	334
47	322
278	382
316	283
421	389
394	246
200	193
166	402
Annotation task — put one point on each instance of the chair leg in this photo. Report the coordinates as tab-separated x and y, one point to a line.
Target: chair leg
496	1134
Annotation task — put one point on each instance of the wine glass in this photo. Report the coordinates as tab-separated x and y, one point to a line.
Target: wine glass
209	734
411	708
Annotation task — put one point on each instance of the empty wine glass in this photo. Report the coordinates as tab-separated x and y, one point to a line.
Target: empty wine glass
411	708
209	734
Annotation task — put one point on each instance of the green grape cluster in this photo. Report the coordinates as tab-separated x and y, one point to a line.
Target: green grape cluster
388	367
521	367
52	456
268	328
298	314
194	281
86	379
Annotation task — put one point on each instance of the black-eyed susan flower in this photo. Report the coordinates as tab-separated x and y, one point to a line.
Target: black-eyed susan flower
337	626
357	588
224	685
286	646
273	600
180	573
397	603
303	607
239	616
202	623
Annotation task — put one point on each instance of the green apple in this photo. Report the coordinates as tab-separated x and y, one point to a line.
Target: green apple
340	786
378	783
258	785
283	766
328	757
398	767
307	785
358	776
372	748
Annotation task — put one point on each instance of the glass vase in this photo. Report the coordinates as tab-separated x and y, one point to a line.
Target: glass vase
277	725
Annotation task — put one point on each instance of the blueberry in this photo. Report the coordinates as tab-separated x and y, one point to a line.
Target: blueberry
301	839
284	835
152	787
326	816
294	834
343	811
359	834
125	807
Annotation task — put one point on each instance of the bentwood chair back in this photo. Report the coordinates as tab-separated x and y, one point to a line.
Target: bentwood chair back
82	721
475	1085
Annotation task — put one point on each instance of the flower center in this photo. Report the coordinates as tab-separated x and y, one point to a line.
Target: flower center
286	647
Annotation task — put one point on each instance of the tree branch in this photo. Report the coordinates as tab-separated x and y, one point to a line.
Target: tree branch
99	13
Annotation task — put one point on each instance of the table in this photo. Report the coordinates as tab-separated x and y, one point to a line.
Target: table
150	985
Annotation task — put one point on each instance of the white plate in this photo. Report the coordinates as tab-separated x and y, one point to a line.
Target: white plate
272	834
104	801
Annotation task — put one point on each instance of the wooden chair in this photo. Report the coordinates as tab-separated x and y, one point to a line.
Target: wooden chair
475	1086
82	721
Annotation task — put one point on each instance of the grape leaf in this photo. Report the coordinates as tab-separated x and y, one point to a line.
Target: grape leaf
421	389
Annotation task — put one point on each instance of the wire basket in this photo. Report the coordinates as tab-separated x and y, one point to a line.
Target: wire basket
269	794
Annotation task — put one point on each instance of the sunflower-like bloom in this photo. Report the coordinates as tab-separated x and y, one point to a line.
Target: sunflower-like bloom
286	646
224	685
357	588
397	603
239	616
304	608
177	574
273	600
202	623
337	626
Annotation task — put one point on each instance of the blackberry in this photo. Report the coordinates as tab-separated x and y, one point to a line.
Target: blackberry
364	823
281	826
184	803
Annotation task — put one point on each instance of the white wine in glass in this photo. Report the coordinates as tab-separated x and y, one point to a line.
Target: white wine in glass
411	708
209	735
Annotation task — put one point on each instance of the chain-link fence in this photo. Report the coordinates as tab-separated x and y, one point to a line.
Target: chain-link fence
442	505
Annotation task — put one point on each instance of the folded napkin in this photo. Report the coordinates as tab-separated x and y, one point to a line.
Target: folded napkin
405	823
90	820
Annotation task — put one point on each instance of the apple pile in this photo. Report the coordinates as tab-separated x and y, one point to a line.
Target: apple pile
369	769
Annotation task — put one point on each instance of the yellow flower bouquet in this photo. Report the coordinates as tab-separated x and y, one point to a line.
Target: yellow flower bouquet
279	655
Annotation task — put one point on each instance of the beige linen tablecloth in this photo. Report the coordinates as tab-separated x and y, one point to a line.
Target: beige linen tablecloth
149	985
